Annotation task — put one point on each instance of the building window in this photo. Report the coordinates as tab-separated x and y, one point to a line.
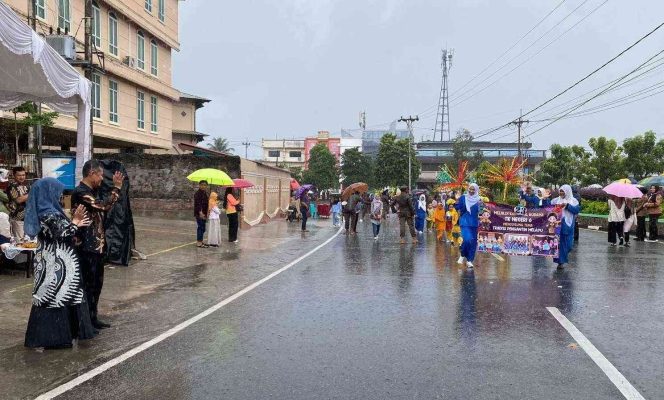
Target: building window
64	14
112	34
41	9
96	95
153	114
153	57
273	153
148	5
162	10
140	50
140	109
295	154
113	101
96	25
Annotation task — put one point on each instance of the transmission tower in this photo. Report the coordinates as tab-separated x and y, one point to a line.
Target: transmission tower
443	117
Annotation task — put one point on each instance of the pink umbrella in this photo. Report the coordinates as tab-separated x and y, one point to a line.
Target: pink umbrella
294	185
626	190
242	184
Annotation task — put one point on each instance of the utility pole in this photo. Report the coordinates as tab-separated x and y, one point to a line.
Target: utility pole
409	122
518	123
88	66
246	147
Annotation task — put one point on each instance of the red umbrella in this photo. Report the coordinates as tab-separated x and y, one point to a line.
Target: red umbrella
242	184
294	185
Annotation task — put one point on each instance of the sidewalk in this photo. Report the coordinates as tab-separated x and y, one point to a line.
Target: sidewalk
176	282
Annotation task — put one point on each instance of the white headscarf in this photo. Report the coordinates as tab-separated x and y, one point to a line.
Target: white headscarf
568	199
422	203
474	199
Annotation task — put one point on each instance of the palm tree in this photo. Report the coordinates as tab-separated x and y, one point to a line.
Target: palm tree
221	145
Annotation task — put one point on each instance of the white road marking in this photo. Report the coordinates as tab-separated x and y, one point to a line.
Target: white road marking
498	257
112	363
605	365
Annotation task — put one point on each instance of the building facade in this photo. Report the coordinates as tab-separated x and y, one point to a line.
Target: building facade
371	139
433	154
283	152
333	144
134	102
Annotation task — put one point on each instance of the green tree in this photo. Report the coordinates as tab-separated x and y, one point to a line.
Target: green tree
221	145
356	167
461	147
607	160
391	165
32	117
322	170
565	165
295	172
644	155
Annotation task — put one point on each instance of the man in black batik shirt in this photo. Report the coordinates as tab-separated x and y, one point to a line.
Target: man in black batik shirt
91	240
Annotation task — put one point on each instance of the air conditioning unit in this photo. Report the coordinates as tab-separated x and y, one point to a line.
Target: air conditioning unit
130	61
65	45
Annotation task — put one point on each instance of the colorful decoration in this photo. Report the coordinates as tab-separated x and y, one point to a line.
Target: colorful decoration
507	173
457	180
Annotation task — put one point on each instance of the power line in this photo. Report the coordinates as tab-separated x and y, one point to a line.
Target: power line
521	53
524	61
593	97
596	70
511	47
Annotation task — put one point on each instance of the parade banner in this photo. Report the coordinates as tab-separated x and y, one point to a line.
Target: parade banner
519	230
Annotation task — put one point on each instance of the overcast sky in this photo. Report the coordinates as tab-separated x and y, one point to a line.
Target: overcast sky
290	68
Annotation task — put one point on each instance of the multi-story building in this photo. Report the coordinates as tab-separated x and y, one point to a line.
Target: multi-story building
433	154
350	140
283	152
371	139
134	102
332	143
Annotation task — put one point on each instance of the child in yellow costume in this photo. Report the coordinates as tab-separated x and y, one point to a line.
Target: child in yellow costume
452	219
439	221
430	210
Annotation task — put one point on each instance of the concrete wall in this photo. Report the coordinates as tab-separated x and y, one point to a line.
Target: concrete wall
159	185
269	198
164	177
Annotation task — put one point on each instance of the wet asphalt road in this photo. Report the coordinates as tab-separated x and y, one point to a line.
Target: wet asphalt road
377	320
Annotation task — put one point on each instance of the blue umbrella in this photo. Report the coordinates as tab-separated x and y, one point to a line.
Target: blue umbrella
653	180
302	189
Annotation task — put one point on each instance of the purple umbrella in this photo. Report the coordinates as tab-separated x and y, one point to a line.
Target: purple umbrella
302	189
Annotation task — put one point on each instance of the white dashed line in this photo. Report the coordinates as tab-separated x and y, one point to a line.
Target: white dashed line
605	365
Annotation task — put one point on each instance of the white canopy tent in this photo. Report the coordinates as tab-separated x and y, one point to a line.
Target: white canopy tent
31	70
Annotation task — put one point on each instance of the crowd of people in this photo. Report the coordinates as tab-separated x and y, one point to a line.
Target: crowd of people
454	217
208	213
69	258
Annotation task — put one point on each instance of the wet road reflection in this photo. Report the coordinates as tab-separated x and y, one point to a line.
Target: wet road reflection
376	319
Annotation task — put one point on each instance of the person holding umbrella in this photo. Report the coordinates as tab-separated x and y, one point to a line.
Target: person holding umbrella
654	207
304	210
616	219
201	204
231	206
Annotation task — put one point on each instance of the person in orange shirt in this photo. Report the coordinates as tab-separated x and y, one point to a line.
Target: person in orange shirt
230	204
439	221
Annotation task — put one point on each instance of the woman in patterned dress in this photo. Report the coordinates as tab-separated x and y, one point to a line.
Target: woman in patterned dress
59	313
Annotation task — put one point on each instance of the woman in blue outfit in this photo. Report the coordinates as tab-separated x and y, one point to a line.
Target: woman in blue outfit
571	208
421	214
468	207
